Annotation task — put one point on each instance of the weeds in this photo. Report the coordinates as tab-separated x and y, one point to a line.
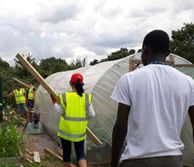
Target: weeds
8	164
9	140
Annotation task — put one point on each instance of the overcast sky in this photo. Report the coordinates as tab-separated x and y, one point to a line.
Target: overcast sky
92	28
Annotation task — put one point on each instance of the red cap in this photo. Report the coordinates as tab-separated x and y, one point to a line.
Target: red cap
75	77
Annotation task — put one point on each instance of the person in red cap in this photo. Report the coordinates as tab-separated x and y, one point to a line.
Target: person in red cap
75	109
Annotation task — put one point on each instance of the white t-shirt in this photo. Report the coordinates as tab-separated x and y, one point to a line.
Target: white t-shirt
159	96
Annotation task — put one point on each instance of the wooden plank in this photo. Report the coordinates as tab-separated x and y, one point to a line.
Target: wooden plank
49	152
93	137
59	150
20	82
28	151
183	65
41	80
36	75
29	160
36	157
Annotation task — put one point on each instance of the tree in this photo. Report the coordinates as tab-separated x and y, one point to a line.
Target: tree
4	65
182	42
95	61
52	65
123	52
77	63
139	50
6	73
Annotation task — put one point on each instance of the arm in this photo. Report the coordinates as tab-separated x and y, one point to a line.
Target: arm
119	133
191	115
56	105
91	113
10	94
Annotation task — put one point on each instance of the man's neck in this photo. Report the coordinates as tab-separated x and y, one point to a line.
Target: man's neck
156	61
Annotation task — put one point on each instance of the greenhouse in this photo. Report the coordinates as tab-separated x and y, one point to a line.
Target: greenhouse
100	80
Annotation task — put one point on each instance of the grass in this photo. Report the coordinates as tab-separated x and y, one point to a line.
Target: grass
9	140
8	164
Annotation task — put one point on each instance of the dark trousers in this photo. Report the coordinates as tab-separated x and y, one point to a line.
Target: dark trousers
79	149
164	161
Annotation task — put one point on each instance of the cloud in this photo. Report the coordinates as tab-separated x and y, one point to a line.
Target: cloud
58	13
70	28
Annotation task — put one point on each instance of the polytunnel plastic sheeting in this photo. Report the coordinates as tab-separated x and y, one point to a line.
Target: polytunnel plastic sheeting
100	80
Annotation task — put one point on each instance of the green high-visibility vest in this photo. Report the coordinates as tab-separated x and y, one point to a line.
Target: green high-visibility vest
20	96
31	93
74	121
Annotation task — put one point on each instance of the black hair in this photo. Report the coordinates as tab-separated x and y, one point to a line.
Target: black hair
158	41
79	87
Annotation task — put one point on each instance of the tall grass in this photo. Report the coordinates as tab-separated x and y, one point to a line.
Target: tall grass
9	140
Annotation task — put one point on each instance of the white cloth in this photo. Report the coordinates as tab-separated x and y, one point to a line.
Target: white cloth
58	108
159	96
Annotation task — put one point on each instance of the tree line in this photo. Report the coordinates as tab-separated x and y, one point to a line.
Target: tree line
182	44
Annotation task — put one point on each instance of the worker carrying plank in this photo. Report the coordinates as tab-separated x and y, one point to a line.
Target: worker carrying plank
153	103
75	109
20	99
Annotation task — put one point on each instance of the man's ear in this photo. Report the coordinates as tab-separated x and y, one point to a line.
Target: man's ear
167	53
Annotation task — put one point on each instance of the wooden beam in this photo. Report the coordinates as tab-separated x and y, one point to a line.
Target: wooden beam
49	152
20	82
41	80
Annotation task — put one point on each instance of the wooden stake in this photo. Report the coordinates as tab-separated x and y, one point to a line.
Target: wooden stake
41	80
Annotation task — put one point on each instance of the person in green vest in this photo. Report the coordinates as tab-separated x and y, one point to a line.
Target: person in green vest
75	109
30	96
20	99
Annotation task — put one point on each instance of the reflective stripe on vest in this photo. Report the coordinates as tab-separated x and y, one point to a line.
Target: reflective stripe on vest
19	96
31	93
73	122
72	135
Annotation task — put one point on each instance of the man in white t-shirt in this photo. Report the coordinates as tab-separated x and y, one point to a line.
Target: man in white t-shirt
153	103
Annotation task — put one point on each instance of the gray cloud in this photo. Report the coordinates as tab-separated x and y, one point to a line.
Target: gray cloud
182	5
58	14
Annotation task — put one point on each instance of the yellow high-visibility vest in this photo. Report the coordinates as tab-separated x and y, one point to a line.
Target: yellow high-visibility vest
20	96
74	121
31	93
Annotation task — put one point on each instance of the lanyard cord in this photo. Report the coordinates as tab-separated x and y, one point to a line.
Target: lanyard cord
157	62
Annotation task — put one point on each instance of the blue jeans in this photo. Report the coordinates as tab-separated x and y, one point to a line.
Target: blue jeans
30	103
21	108
79	149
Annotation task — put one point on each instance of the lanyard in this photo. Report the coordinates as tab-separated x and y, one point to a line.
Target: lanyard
157	62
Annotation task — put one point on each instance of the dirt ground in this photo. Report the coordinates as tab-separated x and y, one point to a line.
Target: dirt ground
37	143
